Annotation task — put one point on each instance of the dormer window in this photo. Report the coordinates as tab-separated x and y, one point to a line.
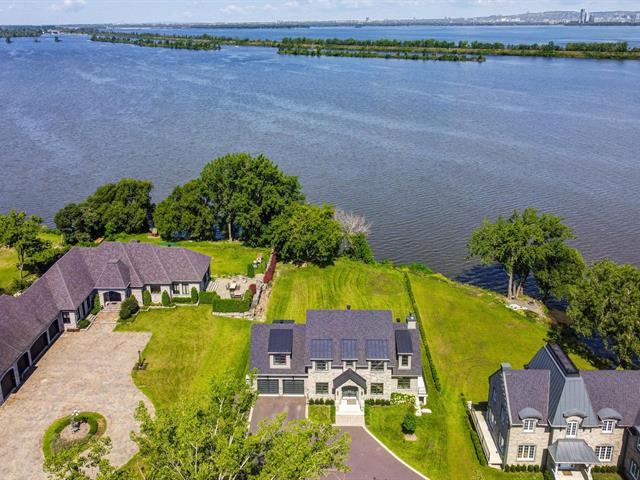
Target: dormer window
608	426
321	366
404	361
377	365
572	429
529	425
280	359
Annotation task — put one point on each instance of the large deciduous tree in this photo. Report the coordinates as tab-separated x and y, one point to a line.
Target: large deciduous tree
308	233
187	212
20	232
202	440
605	302
521	244
247	193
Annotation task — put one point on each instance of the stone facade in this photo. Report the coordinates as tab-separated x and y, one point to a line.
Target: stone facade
632	456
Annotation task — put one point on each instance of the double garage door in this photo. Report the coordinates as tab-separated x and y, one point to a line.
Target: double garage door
271	386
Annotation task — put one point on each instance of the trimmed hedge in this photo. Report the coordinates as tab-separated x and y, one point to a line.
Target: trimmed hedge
232	305
475	439
97	427
166	300
522	468
378	402
207	298
321	401
398	398
194	295
182	300
96	305
423	335
129	308
146	297
409	423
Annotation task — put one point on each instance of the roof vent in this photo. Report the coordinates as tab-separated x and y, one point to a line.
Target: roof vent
348	307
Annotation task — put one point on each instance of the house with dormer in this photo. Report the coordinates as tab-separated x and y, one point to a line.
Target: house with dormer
553	415
347	356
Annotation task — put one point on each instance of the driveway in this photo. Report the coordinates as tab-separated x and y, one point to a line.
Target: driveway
269	407
370	461
89	370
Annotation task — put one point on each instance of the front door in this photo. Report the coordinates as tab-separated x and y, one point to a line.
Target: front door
112	297
349	392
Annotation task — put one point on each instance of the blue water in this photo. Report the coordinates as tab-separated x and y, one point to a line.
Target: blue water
506	34
424	150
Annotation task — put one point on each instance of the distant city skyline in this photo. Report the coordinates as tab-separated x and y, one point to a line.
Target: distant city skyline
213	11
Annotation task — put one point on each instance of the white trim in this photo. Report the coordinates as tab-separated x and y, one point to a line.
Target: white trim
394	455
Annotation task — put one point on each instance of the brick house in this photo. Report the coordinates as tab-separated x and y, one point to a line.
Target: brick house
64	295
344	355
553	415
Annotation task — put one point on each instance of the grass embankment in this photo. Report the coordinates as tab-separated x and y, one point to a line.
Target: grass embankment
188	348
298	289
227	258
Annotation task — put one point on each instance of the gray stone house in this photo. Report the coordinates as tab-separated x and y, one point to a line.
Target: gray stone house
551	414
344	355
63	296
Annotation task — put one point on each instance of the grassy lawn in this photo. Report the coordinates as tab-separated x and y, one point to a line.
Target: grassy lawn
187	349
227	258
298	289
322	413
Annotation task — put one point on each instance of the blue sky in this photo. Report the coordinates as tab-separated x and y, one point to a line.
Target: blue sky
97	11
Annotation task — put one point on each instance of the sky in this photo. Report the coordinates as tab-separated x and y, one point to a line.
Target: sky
139	11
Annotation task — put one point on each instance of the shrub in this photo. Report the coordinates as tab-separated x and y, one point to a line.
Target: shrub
84	323
207	298
129	307
251	271
231	305
359	249
182	300
409	423
253	288
398	398
194	295
146	297
166	300
548	474
96	304
271	268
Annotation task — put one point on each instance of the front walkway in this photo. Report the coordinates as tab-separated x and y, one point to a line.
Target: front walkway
87	370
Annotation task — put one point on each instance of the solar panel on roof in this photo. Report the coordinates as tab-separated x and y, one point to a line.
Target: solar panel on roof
349	349
563	360
280	340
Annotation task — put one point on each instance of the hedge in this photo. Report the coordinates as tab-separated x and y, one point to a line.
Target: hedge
427	351
96	304
129	308
166	300
321	401
231	305
182	300
398	398
271	268
475	439
146	297
194	295
207	298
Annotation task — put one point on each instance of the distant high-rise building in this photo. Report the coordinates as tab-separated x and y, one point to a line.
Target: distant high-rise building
584	17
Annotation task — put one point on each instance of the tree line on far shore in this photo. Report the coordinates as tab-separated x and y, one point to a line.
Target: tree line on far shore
603	298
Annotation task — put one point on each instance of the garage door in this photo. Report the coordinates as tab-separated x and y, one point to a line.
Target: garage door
23	364
8	383
38	346
268	386
293	387
54	329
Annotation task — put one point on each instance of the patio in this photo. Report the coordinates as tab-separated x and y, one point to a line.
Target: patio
233	287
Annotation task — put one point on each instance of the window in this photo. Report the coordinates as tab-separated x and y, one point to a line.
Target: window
404	383
492	419
322	365
404	360
155	288
66	318
175	288
280	359
503	414
349	364
529	425
322	388
526	452
185	288
501	442
608	426
493	394
634	470
572	429
377	389
377	365
604	453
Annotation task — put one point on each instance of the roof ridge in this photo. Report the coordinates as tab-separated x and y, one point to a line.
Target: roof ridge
155	253
64	282
184	252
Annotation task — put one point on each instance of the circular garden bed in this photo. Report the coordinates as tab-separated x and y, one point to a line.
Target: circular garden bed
60	435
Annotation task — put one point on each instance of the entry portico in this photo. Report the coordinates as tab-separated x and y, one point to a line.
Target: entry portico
571	458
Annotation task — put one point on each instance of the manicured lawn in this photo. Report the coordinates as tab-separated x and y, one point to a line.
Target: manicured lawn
188	348
322	413
298	289
227	258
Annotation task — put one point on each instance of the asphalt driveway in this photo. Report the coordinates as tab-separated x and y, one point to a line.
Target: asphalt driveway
88	370
269	407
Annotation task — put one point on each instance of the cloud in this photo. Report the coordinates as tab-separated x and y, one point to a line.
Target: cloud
68	5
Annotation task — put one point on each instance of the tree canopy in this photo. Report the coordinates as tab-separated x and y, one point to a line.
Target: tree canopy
308	233
123	207
186	213
525	242
605	302
247	193
20	232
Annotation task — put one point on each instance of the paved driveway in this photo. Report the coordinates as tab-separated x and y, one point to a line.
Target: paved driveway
370	461
88	370
269	407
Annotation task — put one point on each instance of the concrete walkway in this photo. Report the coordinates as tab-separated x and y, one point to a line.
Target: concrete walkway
87	370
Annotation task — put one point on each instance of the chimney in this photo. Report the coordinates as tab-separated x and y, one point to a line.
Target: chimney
348	307
411	321
505	367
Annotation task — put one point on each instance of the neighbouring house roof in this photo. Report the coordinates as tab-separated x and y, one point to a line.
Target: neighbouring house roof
337	335
347	375
572	451
112	265
551	387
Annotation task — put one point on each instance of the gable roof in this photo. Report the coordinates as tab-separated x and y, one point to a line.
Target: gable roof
616	390
528	390
347	375
112	265
259	348
572	451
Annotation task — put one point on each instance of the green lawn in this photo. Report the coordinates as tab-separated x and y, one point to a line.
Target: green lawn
188	348
227	258
298	289
322	413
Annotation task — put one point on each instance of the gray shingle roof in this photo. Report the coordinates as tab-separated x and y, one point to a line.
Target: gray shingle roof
347	375
617	390
77	274
527	389
259	351
321	349
572	451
